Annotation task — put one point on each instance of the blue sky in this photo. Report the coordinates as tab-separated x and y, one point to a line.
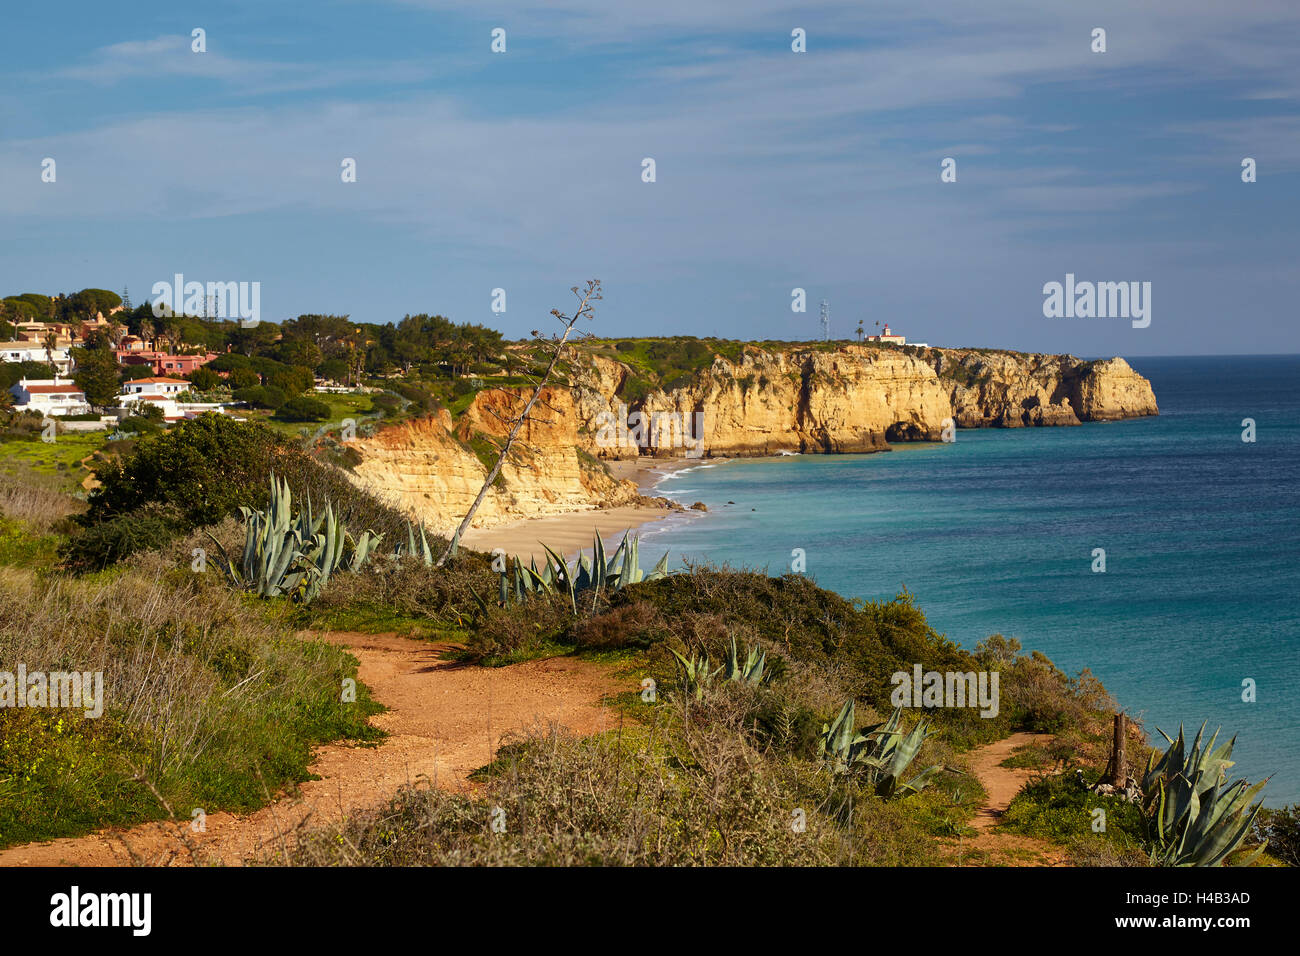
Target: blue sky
775	169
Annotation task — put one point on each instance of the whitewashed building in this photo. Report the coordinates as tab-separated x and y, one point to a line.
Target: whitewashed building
164	393
888	336
49	397
60	358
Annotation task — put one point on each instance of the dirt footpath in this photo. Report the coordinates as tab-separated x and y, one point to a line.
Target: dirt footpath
444	721
989	846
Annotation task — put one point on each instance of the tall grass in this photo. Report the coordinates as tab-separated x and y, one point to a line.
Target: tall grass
207	703
37	505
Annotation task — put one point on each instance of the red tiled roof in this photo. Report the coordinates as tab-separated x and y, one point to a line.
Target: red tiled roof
50	389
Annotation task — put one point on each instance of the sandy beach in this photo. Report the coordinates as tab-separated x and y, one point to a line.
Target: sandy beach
570	533
567	534
647	471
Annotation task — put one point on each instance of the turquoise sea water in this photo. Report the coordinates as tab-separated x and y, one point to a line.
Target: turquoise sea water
995	534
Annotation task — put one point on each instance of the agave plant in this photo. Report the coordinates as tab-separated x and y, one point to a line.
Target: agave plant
329	549
752	671
840	746
288	554
418	548
1193	819
695	672
697	676
882	752
595	574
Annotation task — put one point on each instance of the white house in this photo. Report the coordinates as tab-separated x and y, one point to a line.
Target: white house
60	358
162	392
49	397
140	388
155	391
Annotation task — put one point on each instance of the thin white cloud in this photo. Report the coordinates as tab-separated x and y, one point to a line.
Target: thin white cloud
172	56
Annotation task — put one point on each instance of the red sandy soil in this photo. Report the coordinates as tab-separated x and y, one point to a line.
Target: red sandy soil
1001	784
444	721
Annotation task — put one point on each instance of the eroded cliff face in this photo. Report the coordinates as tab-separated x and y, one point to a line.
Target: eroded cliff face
856	398
429	468
853	400
1013	389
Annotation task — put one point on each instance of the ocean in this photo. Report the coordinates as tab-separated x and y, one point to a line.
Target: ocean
995	534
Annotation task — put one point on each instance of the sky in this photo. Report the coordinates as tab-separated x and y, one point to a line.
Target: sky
774	170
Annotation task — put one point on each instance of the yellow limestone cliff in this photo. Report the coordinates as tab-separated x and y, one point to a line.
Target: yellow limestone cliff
1011	389
432	469
854	398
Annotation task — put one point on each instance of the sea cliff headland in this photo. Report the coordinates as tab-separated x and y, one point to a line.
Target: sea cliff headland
811	398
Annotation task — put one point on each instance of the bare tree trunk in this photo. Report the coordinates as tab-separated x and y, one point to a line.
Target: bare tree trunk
585	298
1117	769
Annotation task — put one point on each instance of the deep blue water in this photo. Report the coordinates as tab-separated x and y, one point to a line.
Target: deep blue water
995	533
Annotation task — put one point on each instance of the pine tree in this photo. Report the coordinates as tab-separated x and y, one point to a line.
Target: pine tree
96	375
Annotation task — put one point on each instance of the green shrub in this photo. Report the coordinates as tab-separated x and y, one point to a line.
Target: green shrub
103	544
638	806
260	396
13	372
139	425
404	594
1281	828
242	377
205	469
422	398
388	404
303	409
204	379
289	380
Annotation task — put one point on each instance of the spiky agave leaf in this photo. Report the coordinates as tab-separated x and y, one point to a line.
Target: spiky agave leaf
695	673
482	604
598	570
224	563
523	587
751	672
538	583
837	747
615	563
895	753
660	569
1192	819
426	553
564	578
